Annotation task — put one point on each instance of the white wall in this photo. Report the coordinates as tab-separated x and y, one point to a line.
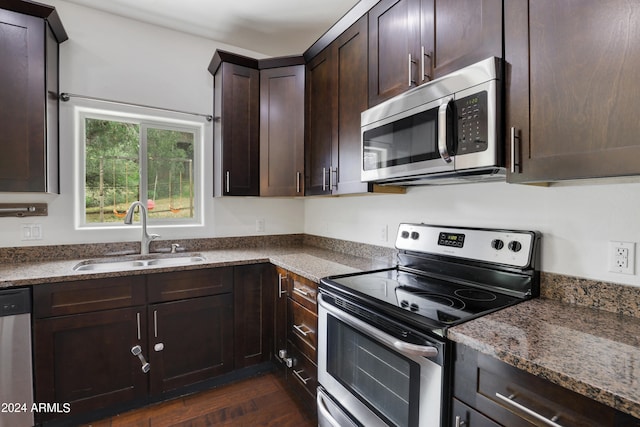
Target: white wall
111	57
577	220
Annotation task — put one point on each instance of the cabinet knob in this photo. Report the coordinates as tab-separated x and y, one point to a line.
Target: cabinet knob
159	346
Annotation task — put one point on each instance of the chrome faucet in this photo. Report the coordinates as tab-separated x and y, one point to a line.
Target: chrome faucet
146	237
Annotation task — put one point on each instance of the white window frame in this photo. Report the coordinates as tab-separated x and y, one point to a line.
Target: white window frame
147	119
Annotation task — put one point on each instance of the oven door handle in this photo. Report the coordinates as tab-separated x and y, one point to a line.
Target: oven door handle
391	341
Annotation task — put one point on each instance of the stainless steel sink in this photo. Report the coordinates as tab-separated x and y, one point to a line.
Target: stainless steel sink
121	264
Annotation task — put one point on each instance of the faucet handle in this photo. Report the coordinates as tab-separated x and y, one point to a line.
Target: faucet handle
153	236
175	247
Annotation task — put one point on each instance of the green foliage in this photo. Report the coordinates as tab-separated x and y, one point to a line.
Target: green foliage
112	153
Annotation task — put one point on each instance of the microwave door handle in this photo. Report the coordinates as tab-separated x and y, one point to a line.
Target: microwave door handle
442	131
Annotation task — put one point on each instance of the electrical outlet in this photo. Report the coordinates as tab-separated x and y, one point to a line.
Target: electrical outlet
260	225
31	231
622	257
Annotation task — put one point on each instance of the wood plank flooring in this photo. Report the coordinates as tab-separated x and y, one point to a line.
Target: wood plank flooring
257	401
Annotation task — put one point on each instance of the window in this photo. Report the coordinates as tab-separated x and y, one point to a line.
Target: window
129	158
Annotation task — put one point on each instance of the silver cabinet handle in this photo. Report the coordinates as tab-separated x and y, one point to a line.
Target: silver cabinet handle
226	178
138	324
324	179
442	131
303	293
136	350
460	422
425	76
411	62
515	136
155	323
303	380
298	176
303	330
280	291
509	400
333	183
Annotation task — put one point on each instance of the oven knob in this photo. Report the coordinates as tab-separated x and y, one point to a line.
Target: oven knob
515	246
404	234
415	235
497	244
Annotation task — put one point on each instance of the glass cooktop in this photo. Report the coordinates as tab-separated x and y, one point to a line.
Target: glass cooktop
444	302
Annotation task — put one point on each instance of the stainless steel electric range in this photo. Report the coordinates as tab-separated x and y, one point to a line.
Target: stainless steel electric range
383	354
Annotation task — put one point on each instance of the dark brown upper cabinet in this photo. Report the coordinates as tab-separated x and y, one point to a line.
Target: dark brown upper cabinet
400	47
572	88
411	42
466	32
30	34
236	136
336	95
282	127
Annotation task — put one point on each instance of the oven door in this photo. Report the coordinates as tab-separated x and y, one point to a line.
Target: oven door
378	378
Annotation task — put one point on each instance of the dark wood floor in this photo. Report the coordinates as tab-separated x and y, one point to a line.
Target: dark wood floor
257	401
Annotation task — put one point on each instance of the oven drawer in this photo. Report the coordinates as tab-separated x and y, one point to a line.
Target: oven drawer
303	325
513	397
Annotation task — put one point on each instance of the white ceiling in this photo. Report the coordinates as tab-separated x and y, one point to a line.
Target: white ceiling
272	27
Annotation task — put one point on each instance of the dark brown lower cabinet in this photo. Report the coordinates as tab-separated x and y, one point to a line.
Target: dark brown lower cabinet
85	360
495	393
93	338
253	319
189	341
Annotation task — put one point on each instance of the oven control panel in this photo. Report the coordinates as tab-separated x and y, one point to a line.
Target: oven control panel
508	247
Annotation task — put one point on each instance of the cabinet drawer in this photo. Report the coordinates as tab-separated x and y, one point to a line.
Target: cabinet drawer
83	296
463	415
304	372
189	284
303	291
303	326
511	396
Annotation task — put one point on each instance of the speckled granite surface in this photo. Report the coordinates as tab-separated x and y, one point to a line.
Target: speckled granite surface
593	352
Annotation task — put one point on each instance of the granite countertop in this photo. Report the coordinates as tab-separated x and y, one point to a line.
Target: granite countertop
593	352
310	262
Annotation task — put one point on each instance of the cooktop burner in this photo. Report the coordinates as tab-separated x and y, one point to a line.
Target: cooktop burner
448	275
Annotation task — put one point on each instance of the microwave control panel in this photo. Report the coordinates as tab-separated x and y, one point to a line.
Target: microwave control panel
472	123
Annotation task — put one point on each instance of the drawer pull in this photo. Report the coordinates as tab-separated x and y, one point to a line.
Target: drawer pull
304	380
303	330
303	292
281	292
509	400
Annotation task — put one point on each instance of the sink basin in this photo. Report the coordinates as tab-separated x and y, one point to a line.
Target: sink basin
120	264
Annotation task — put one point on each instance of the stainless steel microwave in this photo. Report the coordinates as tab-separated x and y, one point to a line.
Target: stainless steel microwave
445	131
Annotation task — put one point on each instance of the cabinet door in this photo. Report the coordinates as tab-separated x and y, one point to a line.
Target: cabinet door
466	31
240	117
351	56
320	143
253	296
190	341
22	110
394	48
572	88
85	360
282	131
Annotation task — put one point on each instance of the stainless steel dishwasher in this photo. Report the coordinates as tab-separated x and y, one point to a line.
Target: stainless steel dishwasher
16	378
